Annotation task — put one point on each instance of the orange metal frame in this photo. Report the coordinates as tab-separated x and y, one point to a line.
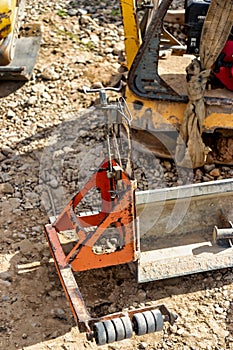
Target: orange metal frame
118	210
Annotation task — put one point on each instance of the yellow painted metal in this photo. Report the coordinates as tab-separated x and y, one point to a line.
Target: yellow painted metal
218	121
167	115
7	17
154	115
159	114
131	30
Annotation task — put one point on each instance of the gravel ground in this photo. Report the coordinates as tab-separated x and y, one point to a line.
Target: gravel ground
50	140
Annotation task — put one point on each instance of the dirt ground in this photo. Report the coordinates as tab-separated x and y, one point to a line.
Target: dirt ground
81	44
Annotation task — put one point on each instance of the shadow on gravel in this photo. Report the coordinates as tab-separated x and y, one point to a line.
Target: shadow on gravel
8	87
34	308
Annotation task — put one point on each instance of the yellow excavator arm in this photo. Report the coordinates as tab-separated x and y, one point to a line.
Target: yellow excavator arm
8	9
18	52
8	30
156	90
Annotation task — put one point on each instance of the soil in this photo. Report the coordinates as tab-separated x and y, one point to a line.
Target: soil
51	141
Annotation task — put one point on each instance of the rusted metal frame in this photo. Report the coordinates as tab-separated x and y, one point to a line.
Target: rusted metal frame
125	254
119	211
169	316
124	218
92	237
144	79
65	274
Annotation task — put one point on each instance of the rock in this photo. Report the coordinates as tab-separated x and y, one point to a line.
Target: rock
209	167
6	188
32	100
198	174
94	38
26	247
83	57
141	295
85	41
5	298
32	197
82	12
6	276
58	313
54	183
180	331
215	172
72	12
37	228
10	114
2	157
5	283
46	95
167	165
83	133
206	178
226	169
49	73
219	309
6	150
38	88
28	205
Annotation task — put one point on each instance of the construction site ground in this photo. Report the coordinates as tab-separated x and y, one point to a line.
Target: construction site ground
49	140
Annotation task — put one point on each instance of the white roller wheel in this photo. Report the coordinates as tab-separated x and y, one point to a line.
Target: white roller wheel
158	320
110	331
119	328
150	321
139	324
128	327
100	334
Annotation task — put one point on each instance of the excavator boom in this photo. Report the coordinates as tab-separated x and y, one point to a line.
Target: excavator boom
18	48
157	91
